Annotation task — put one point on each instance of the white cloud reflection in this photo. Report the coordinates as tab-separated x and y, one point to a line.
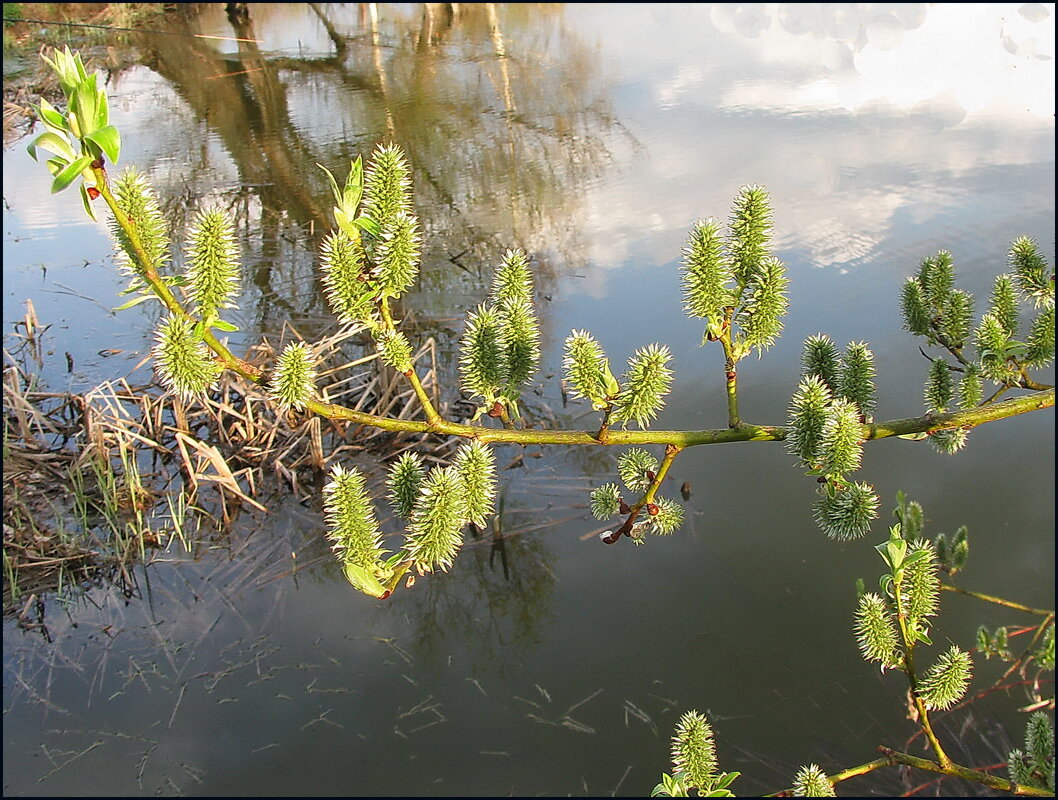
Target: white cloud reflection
853	116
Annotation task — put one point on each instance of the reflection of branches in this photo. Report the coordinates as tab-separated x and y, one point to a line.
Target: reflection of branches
499	599
503	127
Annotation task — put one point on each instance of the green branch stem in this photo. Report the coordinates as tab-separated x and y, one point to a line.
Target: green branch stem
892	758
1043	612
737	431
671	451
432	416
730	373
159	287
909	669
957	771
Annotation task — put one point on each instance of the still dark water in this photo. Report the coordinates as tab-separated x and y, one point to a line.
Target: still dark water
593	136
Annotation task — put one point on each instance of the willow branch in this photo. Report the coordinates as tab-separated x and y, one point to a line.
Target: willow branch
958	771
912	679
683	439
671	451
158	286
998	601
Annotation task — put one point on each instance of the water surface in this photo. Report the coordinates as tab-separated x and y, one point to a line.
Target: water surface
593	136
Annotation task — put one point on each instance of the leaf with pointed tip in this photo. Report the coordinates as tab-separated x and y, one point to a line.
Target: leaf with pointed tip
86	201
364	580
69	173
136	301
369	226
108	140
52	118
53	143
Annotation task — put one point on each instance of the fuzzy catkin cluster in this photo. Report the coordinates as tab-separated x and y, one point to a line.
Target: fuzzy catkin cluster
827	411
500	348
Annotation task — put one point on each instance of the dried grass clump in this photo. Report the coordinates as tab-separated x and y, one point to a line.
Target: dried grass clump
97	481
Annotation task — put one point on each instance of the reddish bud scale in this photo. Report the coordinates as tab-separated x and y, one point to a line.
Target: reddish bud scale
730	375
651	475
652	509
496	410
93	192
624	508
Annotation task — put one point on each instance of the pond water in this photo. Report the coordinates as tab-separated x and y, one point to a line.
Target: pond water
593	136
